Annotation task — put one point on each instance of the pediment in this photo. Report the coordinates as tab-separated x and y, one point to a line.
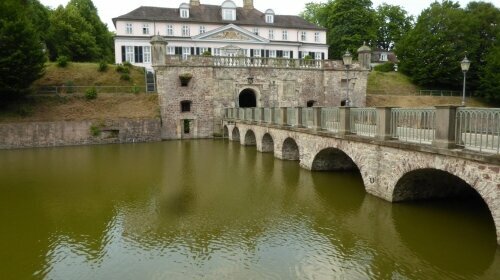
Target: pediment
230	32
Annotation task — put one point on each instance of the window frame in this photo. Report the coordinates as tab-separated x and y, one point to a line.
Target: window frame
184	13
170	30
316	37
129	54
303	36
146	54
129	28
203	29
269	18
229	14
284	35
271	34
186	32
145	29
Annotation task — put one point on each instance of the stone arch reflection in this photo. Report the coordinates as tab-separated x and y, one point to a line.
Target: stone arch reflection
236	134
267	143
290	150
250	139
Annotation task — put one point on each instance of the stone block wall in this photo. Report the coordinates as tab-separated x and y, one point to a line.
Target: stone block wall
62	133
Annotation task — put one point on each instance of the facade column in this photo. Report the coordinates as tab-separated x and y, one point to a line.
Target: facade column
444	136
300	121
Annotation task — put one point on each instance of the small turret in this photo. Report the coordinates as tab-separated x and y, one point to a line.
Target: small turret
365	56
159	49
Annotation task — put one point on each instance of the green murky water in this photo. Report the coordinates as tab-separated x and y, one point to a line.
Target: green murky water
215	210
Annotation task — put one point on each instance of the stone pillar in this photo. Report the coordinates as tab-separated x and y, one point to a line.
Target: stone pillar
298	110
283	116
159	50
261	119
345	120
383	123
273	112
253	115
365	56
317	118
248	4
444	137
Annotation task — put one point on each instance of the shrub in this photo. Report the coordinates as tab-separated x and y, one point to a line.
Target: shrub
206	53
95	130
125	77
185	78
127	64
122	69
136	89
91	93
386	67
62	61
103	66
308	57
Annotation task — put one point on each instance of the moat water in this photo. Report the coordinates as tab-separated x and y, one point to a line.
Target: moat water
212	209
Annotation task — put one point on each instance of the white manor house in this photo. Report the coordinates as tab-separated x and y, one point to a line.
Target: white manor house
225	30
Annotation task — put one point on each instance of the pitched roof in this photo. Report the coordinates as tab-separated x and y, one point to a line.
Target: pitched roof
212	14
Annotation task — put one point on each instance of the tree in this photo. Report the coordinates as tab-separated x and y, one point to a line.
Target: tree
393	23
430	52
490	76
21	52
349	23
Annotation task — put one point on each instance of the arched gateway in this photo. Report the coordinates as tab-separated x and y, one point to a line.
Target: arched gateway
247	98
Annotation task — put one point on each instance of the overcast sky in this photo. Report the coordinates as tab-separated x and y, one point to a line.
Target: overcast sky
109	9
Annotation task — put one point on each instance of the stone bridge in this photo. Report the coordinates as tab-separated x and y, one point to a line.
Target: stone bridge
392	169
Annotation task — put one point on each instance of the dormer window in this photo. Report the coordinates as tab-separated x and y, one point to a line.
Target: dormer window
228	10
269	16
184	10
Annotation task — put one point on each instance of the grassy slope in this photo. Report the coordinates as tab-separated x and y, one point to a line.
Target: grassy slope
86	74
75	106
393	88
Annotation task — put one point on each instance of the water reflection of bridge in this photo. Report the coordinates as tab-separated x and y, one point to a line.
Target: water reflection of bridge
402	154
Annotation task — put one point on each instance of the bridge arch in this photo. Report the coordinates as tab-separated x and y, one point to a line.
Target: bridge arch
333	159
247	98
250	139
225	132
235	134
290	150
267	143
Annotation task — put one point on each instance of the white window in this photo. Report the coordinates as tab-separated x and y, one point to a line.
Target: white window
269	18
185	30
184	13
284	35
203	50
316	37
202	29
256	30
170	30
317	56
383	57
186	51
228	14
145	29
129	53
272	53
271	34
256	53
216	52
128	28
170	50
303	35
146	52
286	54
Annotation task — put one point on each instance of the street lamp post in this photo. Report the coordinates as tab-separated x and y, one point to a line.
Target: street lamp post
465	64
347	58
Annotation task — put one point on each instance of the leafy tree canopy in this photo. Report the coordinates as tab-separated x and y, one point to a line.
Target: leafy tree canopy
393	23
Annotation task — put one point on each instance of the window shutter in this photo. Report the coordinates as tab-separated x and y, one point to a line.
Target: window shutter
141	59
262	53
323	56
123	54
136	54
198	51
192	50
279	53
251	52
291	54
300	55
210	50
312	55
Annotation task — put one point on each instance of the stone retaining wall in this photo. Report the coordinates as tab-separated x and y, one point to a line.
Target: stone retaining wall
68	133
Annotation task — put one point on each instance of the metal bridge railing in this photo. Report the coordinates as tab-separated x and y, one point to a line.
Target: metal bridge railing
478	129
330	119
308	117
413	125
364	121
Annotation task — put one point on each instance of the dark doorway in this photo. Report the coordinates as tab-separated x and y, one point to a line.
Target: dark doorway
247	99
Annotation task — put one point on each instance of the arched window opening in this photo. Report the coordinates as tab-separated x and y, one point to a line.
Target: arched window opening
247	99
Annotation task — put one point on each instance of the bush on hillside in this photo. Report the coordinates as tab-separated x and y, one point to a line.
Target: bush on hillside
62	61
386	67
122	69
103	66
91	93
125	77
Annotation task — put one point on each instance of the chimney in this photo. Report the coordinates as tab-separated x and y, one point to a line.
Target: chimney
194	3
248	4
